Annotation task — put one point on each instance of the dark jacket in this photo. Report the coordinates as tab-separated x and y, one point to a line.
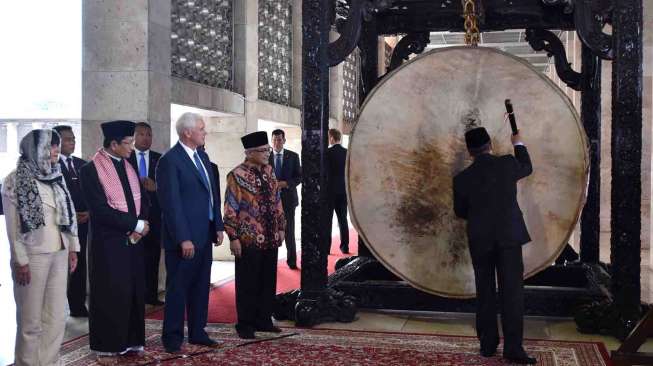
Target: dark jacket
155	210
73	182
291	172
485	194
183	198
336	159
115	268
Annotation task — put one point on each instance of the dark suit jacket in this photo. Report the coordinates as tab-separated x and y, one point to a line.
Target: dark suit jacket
74	184
485	194
216	173
155	209
291	172
184	198
336	158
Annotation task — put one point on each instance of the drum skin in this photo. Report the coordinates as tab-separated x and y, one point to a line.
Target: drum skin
408	144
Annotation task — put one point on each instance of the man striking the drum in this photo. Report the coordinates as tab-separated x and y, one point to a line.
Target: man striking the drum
485	194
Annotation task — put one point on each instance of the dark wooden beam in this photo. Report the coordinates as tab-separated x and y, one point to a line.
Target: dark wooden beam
626	194
412	16
591	117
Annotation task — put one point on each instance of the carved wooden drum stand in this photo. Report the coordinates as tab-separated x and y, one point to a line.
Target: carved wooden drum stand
409	142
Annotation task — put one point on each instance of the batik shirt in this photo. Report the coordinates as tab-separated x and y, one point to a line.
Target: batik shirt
252	207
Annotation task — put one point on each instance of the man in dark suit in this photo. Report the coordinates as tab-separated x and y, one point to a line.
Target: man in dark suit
144	161
485	194
214	167
288	171
70	168
336	192
190	202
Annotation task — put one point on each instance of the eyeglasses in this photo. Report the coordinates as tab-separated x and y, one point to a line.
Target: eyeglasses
262	150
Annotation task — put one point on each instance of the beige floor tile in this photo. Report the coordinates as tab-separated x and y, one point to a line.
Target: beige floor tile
371	321
449	323
536	328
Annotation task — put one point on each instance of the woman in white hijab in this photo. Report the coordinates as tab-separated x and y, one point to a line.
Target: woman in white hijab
43	240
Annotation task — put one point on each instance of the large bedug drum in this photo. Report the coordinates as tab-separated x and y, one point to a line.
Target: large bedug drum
409	142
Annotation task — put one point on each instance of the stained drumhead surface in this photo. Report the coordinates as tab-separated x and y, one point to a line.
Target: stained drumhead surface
409	142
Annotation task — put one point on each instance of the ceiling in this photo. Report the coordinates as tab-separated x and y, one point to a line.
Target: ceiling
510	41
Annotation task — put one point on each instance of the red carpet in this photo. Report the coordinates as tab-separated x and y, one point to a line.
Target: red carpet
338	347
222	299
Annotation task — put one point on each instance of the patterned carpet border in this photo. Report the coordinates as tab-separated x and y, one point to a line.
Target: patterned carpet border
339	347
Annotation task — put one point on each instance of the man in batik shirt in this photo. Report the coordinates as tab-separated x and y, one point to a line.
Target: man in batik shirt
255	224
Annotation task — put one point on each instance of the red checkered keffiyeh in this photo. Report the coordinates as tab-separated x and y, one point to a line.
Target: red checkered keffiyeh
111	184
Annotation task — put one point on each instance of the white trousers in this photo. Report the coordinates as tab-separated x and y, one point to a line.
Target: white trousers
41	310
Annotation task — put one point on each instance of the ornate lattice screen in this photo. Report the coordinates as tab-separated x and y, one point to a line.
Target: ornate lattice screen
202	37
275	51
350	97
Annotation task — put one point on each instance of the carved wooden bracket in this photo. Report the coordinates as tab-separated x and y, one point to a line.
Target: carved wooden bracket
359	10
590	16
412	43
541	39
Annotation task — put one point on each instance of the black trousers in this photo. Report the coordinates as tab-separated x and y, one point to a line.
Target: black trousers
256	286
289	213
338	203
508	265
77	280
152	245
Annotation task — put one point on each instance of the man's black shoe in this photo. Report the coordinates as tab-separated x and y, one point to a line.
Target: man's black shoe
271	329
156	302
246	334
489	348
79	313
522	359
206	343
488	352
174	351
292	266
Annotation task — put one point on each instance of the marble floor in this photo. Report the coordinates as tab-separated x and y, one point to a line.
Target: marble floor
463	324
414	322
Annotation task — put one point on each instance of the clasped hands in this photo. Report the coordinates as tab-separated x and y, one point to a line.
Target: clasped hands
82	217
148	184
134	236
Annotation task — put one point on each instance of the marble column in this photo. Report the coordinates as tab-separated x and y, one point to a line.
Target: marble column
647	133
246	58
647	138
223	142
125	67
296	91
336	90
606	161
